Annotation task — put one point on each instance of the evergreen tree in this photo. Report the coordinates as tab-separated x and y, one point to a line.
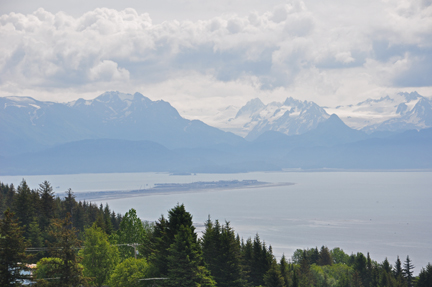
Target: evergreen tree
313	256
305	277
284	270
221	253
246	259
12	251
360	265
386	266
398	272
273	277
408	271
159	247
258	269
425	277
69	204
324	257
398	268
65	247
109	229
24	206
185	267
47	204
368	274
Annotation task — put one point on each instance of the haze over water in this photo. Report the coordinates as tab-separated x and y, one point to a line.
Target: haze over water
384	213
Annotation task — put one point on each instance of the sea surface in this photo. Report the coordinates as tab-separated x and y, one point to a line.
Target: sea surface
387	214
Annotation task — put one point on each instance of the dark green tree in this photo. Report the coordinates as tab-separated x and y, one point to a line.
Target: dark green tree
12	251
408	271
425	277
273	277
47	204
398	272
65	246
185	264
324	256
305	277
313	256
221	252
285	270
24	206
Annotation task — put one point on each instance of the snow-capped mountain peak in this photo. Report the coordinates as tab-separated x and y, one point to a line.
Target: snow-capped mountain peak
290	117
390	113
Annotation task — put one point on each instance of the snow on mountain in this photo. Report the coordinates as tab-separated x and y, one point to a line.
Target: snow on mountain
290	117
27	124
397	113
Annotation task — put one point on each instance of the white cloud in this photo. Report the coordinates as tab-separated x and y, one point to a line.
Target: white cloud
314	51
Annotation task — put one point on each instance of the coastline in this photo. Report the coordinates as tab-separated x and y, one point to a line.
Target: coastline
165	189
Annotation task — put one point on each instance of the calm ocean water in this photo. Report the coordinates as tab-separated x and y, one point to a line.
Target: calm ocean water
384	213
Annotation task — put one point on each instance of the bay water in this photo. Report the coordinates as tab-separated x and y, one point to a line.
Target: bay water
387	214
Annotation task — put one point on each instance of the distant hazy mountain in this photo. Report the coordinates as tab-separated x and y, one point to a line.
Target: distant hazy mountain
130	133
291	117
409	150
30	125
401	112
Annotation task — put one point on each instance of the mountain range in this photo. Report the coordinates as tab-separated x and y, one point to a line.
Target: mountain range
403	111
30	125
118	132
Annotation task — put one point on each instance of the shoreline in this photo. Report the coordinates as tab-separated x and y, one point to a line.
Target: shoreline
160	189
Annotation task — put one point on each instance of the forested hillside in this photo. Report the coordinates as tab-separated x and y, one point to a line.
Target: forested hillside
78	243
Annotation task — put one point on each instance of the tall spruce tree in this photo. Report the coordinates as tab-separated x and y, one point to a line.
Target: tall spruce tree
408	271
65	247
185	263
47	204
221	253
324	256
24	205
12	251
425	277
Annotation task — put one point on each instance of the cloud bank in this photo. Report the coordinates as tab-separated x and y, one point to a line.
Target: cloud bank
290	50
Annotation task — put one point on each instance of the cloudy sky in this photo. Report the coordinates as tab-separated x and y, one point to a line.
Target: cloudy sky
203	55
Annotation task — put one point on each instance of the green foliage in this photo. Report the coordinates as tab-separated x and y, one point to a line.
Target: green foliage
65	248
324	257
273	277
12	251
24	206
425	277
99	256
221	253
185	266
128	273
47	204
46	268
297	256
131	231
339	256
408	272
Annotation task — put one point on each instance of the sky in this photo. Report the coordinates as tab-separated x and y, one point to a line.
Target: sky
202	56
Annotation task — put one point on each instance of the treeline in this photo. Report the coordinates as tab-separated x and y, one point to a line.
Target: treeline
106	249
36	208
